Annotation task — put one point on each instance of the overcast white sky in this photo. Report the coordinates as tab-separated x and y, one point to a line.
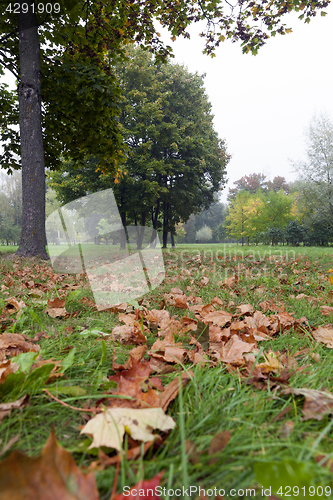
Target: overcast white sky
262	104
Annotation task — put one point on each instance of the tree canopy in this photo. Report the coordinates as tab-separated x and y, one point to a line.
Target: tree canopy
73	50
259	209
176	161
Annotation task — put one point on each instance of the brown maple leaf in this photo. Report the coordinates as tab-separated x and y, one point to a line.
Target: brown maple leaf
13	344
130	334
317	404
232	351
51	476
135	383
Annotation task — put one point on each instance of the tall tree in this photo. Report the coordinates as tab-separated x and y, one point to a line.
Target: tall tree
243	219
176	161
252	213
251	183
76	37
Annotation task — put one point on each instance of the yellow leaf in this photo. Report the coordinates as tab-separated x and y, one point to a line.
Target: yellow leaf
331	280
108	428
173	38
289	30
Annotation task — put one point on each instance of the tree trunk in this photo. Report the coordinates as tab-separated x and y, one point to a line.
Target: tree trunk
123	231
154	218
33	236
165	238
141	231
165	224
173	244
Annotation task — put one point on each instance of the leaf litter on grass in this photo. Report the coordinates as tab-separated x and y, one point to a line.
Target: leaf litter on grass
207	335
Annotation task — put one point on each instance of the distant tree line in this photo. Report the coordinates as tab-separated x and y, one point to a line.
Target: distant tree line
205	227
273	212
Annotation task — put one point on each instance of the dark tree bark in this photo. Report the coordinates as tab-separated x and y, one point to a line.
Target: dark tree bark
165	224
141	231
173	244
123	231
33	236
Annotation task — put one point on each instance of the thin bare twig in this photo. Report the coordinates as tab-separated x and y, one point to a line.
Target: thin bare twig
71	407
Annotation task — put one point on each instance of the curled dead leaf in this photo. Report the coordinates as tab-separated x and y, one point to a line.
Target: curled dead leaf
13	344
324	335
129	334
51	476
108	428
316	404
171	391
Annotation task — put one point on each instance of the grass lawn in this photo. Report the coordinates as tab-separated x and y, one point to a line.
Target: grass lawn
241	426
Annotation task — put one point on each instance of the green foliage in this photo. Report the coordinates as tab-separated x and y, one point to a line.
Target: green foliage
275	235
295	233
244	215
261	216
212	217
204	235
79	47
176	162
314	188
290	478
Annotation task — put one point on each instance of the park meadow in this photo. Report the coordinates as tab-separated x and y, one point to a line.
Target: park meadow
234	347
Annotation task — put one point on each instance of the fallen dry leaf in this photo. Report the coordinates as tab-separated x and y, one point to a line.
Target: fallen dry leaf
272	362
13	305
6	368
13	344
130	334
135	384
171	391
244	309
167	350
219	318
5	408
217	300
144	489
325	335
287	428
192	453
87	301
56	303
204	281
119	308
232	351
317	404
217	444
160	366
108	427
51	476
180	302
55	308
326	310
